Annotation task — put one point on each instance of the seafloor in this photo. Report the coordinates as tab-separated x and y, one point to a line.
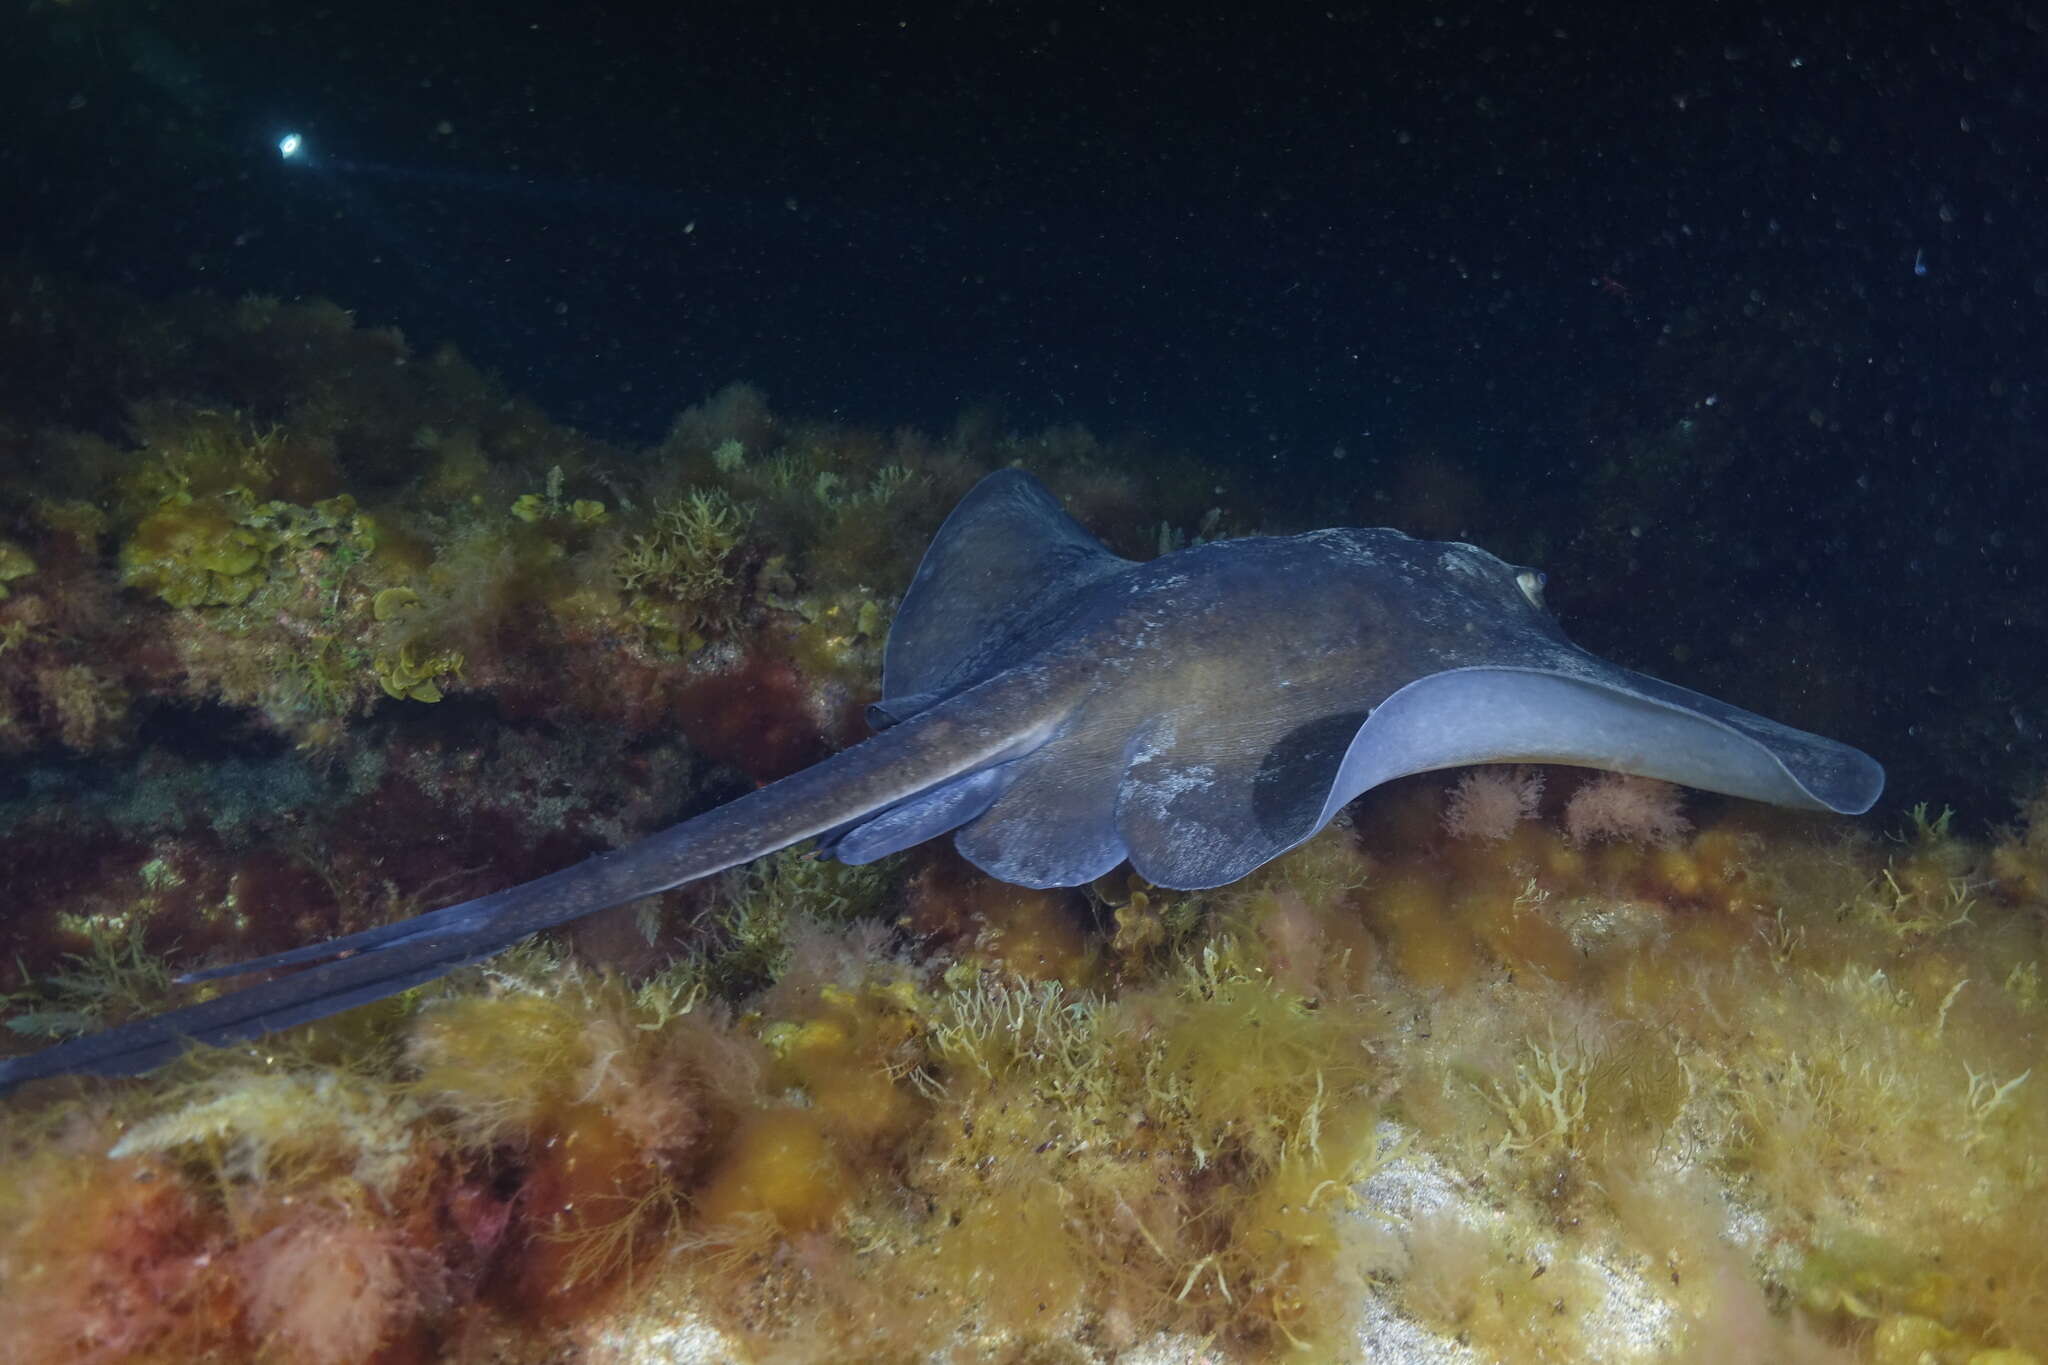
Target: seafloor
310	632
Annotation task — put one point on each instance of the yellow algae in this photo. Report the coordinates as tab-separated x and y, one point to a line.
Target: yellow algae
778	1165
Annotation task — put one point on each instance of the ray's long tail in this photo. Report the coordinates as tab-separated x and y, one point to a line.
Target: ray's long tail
358	968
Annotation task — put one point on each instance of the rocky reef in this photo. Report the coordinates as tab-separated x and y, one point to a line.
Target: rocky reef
301	632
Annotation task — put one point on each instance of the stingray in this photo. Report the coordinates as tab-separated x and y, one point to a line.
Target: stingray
1060	710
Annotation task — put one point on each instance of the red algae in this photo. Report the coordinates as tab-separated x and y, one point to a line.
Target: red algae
756	718
330	1287
109	1261
588	1210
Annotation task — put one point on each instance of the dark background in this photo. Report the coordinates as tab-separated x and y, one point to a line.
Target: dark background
1733	319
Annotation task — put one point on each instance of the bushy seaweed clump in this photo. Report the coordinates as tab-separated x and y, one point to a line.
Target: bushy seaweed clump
297	517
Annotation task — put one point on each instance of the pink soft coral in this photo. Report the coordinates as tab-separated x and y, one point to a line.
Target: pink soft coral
1488	803
1638	810
332	1287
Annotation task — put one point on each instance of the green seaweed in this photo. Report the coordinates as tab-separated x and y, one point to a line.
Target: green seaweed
680	571
15	563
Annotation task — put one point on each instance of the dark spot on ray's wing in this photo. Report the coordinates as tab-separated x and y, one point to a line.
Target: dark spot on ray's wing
1297	772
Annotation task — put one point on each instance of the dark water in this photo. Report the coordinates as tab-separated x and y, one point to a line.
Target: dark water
1733	322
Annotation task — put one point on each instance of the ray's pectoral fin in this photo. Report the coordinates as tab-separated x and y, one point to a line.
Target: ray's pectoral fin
1596	715
1223	798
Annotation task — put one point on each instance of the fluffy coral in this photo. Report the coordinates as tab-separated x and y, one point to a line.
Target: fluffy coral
328	1287
1487	803
1634	809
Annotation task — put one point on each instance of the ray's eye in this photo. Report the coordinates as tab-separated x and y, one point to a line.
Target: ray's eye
1531	582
